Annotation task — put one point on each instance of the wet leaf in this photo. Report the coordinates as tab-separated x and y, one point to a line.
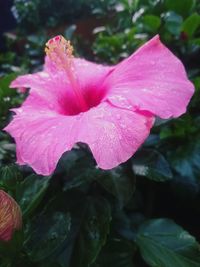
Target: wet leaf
151	164
164	243
30	192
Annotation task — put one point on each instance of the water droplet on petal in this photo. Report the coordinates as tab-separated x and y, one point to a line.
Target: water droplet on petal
118	116
123	126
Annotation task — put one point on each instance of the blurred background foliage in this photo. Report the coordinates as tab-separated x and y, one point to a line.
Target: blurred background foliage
145	212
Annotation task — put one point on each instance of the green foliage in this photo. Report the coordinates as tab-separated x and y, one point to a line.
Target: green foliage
191	24
117	252
152	22
93	231
151	164
47	13
7	99
84	216
30	192
181	7
164	243
47	236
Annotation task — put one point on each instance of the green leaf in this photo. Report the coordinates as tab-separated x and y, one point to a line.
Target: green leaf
117	182
173	23
30	192
191	24
196	41
151	164
152	22
117	252
186	159
51	265
181	7
164	243
5	92
185	164
4	85
196	80
81	176
8	97
93	232
47	235
71	204
10	249
9	176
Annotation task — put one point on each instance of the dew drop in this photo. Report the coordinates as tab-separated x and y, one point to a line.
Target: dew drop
6	99
53	236
118	116
123	126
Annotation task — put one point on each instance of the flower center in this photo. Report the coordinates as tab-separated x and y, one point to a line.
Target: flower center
60	51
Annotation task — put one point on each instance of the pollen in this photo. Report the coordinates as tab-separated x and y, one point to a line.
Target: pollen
59	50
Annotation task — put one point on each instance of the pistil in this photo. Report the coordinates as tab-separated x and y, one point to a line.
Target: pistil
60	51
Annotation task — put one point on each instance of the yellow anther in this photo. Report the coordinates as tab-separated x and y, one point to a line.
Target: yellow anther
59	50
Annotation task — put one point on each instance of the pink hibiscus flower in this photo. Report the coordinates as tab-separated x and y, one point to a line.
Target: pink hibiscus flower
110	108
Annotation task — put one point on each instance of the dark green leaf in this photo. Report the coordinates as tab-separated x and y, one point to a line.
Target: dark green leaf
182	7
151	164
47	235
153	22
173	23
191	24
71	203
164	243
117	182
30	192
93	232
186	159
5	92
10	249
117	253
4	85
77	176
9	176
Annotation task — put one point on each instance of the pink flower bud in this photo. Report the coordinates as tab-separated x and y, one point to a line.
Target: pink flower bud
10	216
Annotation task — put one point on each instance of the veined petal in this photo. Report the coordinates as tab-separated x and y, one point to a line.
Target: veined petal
41	137
90	77
51	88
91	80
113	135
152	79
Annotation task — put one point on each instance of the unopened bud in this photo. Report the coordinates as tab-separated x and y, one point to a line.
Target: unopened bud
10	216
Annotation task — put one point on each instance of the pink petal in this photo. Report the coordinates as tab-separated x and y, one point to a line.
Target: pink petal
52	91
152	79
113	135
90	77
41	138
91	80
51	87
